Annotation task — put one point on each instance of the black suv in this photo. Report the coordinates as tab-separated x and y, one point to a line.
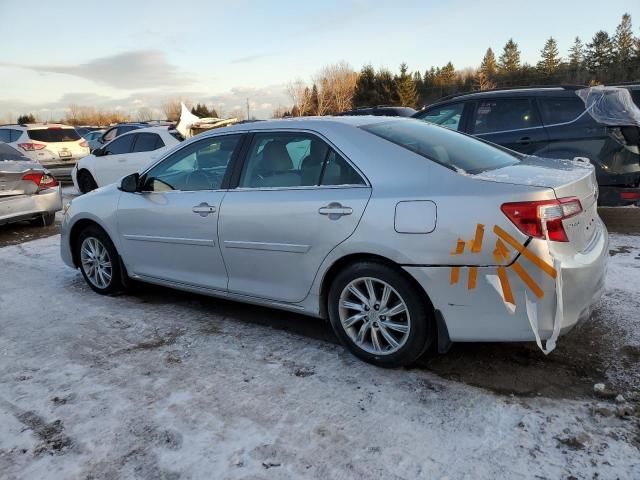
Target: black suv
548	122
118	130
381	111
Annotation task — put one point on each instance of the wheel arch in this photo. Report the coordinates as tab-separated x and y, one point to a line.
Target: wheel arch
343	262
75	231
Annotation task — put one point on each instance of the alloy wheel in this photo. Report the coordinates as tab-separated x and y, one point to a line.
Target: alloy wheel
96	262
374	316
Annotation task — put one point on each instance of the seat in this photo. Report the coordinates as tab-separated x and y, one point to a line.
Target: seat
311	165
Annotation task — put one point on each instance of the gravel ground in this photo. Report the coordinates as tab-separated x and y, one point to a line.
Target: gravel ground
163	384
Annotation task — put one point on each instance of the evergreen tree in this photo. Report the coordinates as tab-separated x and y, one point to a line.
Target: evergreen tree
550	62
201	110
489	66
406	88
509	62
313	109
28	118
599	55
447	75
624	44
386	88
576	61
366	94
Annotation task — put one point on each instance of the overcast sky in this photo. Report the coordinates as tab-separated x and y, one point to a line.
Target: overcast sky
130	54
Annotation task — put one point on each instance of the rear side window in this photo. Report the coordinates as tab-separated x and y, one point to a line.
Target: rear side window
9	153
503	114
54	135
5	135
337	171
560	110
448	148
126	128
447	116
146	142
119	146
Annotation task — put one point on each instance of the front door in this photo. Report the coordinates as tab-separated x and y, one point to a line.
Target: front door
297	199
169	230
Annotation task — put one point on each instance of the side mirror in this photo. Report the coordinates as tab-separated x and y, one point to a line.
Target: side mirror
130	183
98	152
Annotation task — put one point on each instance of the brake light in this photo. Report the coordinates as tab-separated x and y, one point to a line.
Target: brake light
84	143
30	147
630	195
41	179
530	216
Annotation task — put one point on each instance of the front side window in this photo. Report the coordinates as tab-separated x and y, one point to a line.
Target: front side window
446	116
198	166
277	160
560	110
146	142
54	135
119	146
503	114
448	148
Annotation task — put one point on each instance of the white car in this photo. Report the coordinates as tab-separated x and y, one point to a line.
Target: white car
51	145
126	154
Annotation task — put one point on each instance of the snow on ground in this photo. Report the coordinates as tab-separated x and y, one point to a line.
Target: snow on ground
159	384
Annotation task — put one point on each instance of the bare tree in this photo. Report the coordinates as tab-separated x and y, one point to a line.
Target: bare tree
279	112
144	114
172	109
301	96
336	84
482	82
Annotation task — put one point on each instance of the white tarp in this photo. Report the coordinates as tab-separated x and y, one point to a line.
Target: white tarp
610	105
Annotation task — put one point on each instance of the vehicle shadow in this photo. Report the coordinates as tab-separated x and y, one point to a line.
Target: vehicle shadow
583	357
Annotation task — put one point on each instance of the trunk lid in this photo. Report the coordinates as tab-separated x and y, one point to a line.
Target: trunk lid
11	178
567	178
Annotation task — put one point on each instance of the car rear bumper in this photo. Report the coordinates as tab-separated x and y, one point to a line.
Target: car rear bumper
613	196
480	314
26	207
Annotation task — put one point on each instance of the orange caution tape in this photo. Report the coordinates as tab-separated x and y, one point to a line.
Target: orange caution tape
546	267
528	281
473	278
476	245
506	287
455	275
459	248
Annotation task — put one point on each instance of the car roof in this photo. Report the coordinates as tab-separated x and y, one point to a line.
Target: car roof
37	126
160	129
551	91
302	123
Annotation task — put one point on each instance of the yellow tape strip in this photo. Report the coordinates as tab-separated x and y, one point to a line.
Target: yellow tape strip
547	268
528	281
459	248
473	278
455	275
506	287
476	245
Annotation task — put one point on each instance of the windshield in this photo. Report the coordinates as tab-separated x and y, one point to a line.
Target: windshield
54	135
453	150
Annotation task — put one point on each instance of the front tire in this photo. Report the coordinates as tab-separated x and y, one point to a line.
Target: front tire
99	261
86	182
380	315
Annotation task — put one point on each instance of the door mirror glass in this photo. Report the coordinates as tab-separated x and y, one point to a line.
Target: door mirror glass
130	183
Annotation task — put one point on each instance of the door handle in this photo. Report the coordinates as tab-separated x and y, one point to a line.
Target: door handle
335	210
203	209
524	141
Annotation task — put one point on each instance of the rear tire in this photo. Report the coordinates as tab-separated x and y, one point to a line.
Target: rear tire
86	182
380	315
44	220
99	261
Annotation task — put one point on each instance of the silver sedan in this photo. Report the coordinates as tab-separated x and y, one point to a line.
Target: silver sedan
27	190
403	234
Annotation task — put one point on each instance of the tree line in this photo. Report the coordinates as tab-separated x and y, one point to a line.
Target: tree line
604	59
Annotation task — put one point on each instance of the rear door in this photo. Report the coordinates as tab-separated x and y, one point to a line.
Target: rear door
511	122
297	199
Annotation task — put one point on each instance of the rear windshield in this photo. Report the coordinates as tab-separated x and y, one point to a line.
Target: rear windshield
53	135
10	153
451	149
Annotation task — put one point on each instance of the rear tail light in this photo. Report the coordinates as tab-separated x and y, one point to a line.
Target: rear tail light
30	147
41	179
630	195
529	217
83	143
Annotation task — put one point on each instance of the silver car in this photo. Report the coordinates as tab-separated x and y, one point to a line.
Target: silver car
27	190
403	234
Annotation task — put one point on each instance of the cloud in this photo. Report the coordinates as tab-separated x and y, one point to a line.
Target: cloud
251	58
128	70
